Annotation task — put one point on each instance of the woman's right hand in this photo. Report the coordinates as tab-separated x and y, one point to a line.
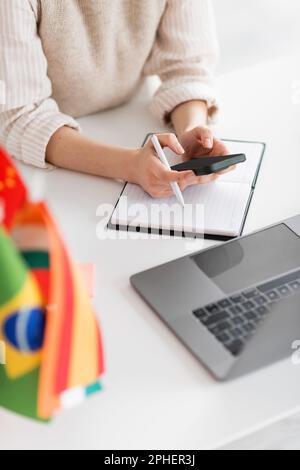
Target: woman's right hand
153	176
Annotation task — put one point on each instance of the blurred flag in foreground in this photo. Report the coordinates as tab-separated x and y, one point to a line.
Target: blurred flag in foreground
53	351
12	190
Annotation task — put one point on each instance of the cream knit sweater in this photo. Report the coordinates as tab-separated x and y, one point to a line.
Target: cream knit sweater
61	59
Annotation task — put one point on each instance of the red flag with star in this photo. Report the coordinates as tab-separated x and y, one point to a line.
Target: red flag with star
13	193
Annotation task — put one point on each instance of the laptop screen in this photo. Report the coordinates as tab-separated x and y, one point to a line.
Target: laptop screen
251	260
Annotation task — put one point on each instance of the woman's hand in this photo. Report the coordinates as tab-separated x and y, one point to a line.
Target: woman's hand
153	176
200	142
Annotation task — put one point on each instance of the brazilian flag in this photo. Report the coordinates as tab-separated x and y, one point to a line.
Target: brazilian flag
21	331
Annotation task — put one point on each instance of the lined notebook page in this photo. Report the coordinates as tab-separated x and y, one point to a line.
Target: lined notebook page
216	208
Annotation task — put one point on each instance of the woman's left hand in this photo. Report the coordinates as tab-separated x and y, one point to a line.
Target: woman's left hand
200	142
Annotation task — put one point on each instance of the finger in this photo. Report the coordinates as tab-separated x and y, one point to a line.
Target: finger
183	178
165	177
177	176
188	178
160	193
207	178
170	176
206	137
220	148
168	193
171	141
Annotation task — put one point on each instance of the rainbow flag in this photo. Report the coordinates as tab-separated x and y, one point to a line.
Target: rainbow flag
53	344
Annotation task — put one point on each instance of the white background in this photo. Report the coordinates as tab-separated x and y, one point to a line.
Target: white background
251	31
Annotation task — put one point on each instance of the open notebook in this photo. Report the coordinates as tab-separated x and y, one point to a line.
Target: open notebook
216	210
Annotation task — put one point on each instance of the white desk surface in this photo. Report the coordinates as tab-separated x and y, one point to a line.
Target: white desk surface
156	395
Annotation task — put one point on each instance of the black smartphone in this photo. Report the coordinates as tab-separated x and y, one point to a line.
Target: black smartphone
208	165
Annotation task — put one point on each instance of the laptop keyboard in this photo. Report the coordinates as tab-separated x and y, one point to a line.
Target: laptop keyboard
234	319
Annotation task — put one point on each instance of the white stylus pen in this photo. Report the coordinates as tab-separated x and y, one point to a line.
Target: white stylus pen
163	159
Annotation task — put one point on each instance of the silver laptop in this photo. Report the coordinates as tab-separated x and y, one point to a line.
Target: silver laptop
235	306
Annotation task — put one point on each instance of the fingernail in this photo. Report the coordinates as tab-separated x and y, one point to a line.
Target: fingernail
180	148
208	143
